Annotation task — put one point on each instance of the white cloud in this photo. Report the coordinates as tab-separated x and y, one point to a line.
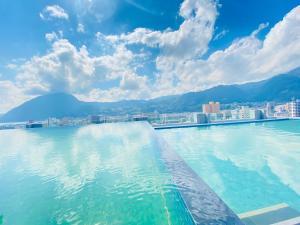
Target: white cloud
80	28
190	40
220	34
66	68
54	11
179	66
98	10
132	82
249	58
11	66
51	36
246	59
54	36
261	27
11	96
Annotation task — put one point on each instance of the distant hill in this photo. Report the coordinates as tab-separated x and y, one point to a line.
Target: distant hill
56	105
279	88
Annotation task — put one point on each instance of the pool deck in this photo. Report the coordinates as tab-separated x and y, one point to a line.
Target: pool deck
280	214
232	122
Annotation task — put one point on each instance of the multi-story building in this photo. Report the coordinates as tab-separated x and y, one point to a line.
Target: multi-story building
235	114
269	110
227	114
96	119
281	110
200	118
140	117
211	107
175	118
294	108
256	114
247	113
215	116
244	113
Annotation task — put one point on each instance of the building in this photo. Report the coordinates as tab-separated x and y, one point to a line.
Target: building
97	119
215	117
269	110
235	115
34	125
200	118
256	114
227	115
244	113
140	118
249	113
175	118
294	108
211	107
281	110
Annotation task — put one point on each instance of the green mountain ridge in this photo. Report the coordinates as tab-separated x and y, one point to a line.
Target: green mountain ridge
279	88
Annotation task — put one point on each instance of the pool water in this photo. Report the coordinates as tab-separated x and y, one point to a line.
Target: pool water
250	166
98	174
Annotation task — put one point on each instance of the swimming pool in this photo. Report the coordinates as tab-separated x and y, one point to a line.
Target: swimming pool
250	166
100	174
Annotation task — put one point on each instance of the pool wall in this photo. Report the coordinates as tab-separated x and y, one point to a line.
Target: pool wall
201	201
233	122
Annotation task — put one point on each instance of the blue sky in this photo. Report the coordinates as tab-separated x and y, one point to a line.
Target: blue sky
109	50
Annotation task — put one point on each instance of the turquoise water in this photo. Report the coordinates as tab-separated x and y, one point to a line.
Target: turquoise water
102	174
249	166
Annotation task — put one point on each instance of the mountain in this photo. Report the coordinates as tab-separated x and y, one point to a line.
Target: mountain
56	105
278	88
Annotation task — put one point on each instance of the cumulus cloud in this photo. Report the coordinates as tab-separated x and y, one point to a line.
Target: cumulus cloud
80	28
54	11
11	96
132	82
54	36
70	69
179	66
248	58
64	68
51	36
190	40
176	46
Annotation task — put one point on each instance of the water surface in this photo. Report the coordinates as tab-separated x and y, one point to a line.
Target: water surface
98	174
249	166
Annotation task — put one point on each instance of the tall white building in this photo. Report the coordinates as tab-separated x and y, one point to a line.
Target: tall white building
294	108
244	112
249	113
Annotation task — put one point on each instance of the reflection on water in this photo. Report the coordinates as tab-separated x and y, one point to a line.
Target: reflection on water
250	166
106	174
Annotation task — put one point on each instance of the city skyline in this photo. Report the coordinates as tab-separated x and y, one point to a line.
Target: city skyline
98	51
